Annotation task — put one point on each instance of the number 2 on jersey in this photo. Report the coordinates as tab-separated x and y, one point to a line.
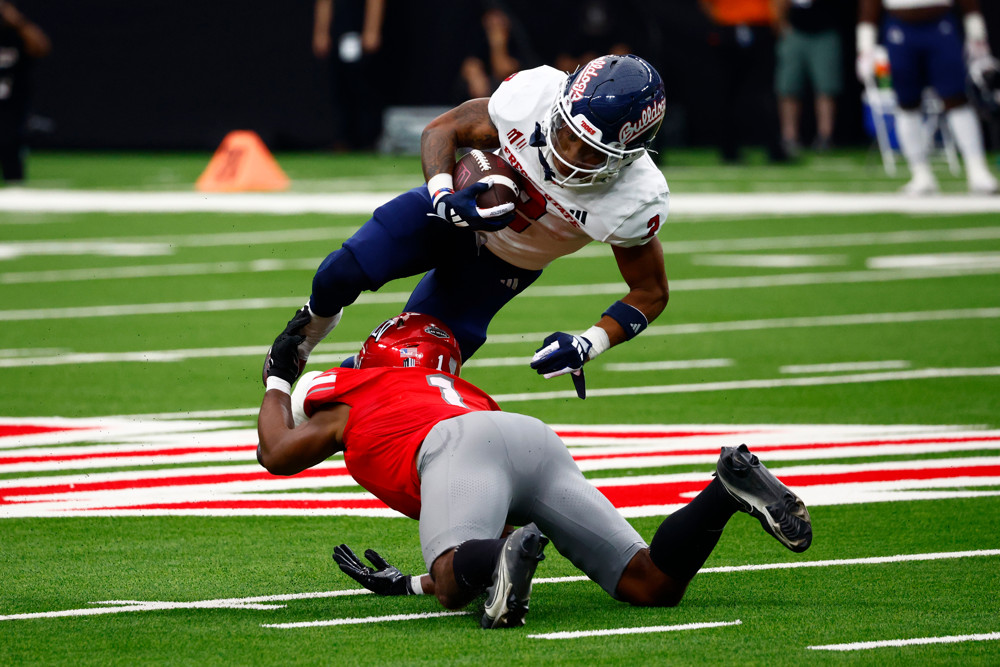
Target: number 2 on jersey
449	394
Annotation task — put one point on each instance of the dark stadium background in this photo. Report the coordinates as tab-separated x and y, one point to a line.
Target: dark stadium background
180	74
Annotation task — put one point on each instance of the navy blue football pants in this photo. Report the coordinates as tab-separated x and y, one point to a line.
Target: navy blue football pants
464	285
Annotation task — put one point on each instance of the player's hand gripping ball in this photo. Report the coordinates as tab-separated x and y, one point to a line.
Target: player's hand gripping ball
487	190
476	165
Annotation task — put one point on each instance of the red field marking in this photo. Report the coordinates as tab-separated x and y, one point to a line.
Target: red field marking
784	448
678	493
355	503
795	481
14	430
625	435
138	483
9	460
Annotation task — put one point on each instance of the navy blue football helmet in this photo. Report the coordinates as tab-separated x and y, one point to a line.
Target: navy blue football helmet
614	105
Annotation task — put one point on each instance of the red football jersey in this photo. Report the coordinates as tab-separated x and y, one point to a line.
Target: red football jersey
392	410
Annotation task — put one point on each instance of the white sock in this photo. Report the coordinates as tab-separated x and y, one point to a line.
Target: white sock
913	140
968	135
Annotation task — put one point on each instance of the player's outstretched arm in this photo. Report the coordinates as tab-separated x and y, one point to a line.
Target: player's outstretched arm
283	448
643	271
383	579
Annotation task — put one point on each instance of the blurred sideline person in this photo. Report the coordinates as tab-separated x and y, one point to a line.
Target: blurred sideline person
493	58
925	48
579	142
808	52
438	449
741	41
348	34
21	43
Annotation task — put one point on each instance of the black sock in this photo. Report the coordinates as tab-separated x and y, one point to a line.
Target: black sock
685	538
474	563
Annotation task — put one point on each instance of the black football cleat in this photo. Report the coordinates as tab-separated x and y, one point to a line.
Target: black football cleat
507	597
761	495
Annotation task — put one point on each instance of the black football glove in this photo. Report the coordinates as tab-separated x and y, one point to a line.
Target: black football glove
386	580
283	357
461	209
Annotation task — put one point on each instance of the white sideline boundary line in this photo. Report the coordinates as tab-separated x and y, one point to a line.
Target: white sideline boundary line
260	602
633	631
920	641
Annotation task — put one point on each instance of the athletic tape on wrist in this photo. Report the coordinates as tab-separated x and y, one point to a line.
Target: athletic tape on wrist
275	382
629	317
440	185
599	340
975	27
866	37
416	588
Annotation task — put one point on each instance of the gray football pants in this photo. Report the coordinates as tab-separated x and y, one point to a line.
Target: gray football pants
482	470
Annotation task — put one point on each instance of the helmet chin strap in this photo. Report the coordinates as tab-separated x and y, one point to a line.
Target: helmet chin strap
537	140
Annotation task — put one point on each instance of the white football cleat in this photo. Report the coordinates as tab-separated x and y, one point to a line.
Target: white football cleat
982	183
921	184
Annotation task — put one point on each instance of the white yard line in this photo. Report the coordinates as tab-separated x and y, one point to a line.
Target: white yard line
362	621
161	245
775	383
920	641
578	634
333	351
262	602
792	203
668	365
157	271
847	366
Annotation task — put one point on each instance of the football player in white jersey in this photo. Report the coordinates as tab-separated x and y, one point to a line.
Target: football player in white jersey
926	49
580	144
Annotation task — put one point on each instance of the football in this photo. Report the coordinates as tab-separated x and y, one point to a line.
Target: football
476	165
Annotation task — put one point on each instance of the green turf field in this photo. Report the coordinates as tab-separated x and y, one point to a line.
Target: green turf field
142	334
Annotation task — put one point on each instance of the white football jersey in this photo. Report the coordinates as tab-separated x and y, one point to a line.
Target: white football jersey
553	221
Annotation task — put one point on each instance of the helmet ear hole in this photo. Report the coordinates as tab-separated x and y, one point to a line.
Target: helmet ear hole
412	340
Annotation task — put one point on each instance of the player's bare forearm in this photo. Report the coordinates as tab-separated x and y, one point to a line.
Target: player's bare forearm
869	11
466	126
968	6
644	272
284	449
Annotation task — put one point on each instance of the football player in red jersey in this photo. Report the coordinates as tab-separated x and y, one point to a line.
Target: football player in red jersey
438	449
